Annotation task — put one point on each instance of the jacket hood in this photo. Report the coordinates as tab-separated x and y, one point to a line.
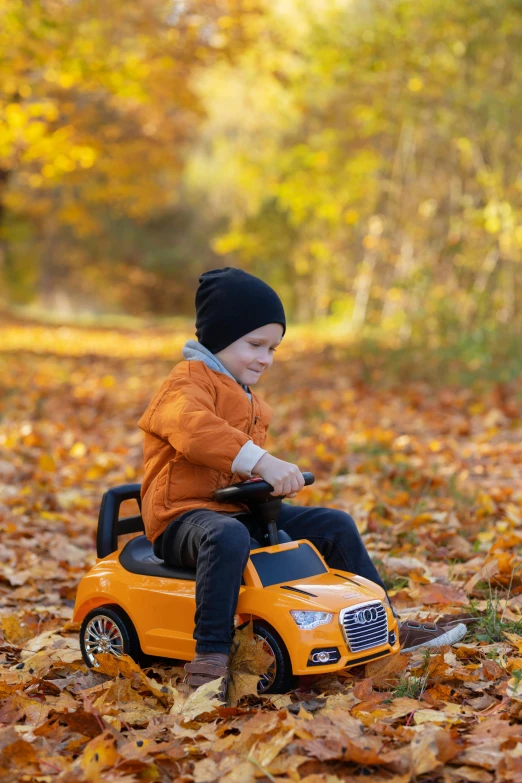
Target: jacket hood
194	351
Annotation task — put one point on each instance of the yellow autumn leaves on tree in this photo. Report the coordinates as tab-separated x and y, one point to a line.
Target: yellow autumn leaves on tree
364	163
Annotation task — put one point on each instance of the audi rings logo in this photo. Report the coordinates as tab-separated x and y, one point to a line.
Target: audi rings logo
365	616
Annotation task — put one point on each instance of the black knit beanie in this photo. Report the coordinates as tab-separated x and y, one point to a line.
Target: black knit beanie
231	303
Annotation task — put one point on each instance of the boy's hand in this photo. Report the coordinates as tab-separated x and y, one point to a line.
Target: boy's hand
285	477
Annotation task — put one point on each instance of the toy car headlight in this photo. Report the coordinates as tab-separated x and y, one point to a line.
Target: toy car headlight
308	620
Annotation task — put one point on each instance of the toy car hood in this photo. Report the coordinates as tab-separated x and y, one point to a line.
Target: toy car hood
328	592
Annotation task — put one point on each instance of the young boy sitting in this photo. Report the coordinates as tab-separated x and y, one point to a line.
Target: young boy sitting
205	429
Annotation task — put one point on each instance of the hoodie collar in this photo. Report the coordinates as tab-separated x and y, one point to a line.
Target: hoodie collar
194	351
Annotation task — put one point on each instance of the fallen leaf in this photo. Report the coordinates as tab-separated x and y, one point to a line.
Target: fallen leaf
249	659
204	699
398	708
265	752
99	754
484	574
386	672
471	774
430	748
442	594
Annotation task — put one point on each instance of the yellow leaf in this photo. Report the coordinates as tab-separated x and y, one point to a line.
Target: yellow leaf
415	84
397	708
14	632
433	716
351	216
486	535
265	752
109	664
78	450
99	754
515	640
46	462
424	750
203	700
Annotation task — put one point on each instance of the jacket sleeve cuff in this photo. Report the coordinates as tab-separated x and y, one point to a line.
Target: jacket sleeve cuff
247	457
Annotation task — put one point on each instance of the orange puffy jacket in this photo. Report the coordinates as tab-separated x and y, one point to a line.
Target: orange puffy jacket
194	428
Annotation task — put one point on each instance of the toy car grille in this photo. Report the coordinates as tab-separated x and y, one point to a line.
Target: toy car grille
365	625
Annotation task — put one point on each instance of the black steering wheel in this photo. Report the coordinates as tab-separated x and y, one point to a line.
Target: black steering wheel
256	490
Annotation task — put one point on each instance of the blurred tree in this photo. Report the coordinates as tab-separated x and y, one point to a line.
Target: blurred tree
383	140
97	110
363	157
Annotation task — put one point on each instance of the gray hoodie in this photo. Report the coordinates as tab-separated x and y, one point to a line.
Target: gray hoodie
250	454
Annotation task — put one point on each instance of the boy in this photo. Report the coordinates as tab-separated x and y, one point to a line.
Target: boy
205	429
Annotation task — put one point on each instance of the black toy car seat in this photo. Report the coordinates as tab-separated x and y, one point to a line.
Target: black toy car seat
138	555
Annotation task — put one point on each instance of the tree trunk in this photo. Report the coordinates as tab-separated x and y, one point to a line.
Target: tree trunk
4	178
364	279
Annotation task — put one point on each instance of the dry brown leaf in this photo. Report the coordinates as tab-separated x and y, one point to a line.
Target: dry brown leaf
405	564
324	749
442	594
434	716
242	684
398	708
261	723
367	751
14	631
109	664
15	752
241	772
487	755
265	752
201	701
492	671
363	689
426	749
471	774
280	700
343	701
334	722
205	771
54	468
484	574
136	714
248	661
287	765
386	672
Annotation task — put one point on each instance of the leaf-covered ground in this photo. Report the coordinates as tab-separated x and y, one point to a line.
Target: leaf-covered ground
431	474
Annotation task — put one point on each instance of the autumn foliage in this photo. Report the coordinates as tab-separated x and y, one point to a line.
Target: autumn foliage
429	471
363	157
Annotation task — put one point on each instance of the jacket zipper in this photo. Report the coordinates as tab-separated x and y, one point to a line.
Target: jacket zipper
253	420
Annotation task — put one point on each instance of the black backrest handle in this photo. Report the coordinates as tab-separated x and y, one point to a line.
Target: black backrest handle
109	526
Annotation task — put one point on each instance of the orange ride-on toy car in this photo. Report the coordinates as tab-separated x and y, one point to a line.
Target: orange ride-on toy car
312	619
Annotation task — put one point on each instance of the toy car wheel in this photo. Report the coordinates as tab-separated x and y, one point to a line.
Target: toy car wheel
108	629
279	677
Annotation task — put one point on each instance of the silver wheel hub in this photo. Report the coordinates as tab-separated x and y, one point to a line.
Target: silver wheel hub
267	679
102	635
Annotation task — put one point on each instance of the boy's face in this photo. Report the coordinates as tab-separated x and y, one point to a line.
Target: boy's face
252	354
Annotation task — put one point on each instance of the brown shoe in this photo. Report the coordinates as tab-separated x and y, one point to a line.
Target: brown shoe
413	634
207	667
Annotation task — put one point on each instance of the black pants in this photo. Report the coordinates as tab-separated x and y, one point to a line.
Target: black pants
218	547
